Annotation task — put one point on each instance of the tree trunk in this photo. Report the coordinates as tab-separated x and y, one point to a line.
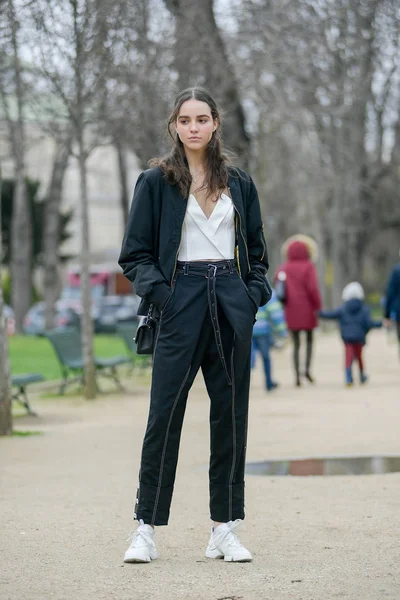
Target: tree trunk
336	221
123	181
87	322
5	387
52	229
201	59
5	384
21	251
79	121
21	229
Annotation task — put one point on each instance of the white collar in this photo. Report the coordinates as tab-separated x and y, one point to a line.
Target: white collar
223	205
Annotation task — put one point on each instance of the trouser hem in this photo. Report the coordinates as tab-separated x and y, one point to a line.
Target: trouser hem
226	502
153	504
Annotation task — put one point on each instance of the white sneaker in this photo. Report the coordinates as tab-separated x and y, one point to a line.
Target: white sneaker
225	544
142	548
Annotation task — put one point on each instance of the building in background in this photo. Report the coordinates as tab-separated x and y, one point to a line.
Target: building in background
105	212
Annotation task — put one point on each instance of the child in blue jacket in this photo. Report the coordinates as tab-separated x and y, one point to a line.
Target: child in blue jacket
355	322
269	327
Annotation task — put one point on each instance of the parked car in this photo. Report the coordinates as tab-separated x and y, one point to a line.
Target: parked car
76	306
113	310
9	319
74	294
34	321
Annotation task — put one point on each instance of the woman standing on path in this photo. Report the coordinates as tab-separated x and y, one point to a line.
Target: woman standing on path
194	247
302	301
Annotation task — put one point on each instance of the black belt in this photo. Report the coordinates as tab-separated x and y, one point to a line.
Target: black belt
202	268
211	270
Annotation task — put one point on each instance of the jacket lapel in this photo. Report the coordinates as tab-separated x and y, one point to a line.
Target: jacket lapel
179	204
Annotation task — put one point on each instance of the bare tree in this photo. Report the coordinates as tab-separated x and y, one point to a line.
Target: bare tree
201	59
5	387
76	71
141	82
12	88
320	78
121	152
51	259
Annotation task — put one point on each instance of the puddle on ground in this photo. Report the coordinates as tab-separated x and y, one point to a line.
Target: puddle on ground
340	465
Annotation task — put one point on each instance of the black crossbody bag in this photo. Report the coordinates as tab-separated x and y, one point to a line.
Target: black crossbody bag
146	333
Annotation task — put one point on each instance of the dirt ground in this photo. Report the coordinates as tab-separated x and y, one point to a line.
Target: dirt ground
67	495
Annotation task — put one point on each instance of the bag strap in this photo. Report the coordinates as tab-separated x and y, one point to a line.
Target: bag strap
150	312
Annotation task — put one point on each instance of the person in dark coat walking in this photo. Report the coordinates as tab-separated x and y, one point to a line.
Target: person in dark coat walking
194	249
302	301
355	322
392	300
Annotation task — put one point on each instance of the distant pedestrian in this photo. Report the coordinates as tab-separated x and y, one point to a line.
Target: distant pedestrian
302	301
392	301
269	328
355	322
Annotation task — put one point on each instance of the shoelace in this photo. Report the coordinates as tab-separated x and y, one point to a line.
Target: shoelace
139	533
218	538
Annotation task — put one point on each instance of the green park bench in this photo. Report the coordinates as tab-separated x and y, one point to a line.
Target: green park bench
20	382
67	346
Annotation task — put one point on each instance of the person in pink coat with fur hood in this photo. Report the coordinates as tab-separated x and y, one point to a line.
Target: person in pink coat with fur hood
302	300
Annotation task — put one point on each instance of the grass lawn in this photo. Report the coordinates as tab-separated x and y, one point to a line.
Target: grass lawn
30	354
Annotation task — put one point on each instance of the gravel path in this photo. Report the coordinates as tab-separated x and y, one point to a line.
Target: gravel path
67	495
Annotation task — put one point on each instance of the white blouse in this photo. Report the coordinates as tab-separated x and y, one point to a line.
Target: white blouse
213	238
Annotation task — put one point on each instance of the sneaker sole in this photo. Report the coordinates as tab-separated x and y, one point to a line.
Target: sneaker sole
137	560
214	556
241	560
227	558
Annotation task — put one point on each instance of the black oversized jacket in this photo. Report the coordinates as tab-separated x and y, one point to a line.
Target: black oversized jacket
151	244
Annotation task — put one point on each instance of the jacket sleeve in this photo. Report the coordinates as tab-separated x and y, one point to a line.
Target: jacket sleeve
312	287
330	314
393	287
257	281
138	253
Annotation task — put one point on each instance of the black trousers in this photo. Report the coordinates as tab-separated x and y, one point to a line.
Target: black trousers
207	322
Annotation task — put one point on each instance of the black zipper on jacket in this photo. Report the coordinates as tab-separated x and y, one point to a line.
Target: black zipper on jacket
241	233
263	241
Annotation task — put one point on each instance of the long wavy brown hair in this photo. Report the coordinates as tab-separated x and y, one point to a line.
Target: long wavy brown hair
175	165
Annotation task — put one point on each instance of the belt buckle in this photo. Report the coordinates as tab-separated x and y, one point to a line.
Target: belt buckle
214	272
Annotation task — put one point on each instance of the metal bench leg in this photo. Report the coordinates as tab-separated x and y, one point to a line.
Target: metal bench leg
64	382
63	385
111	373
22	399
67	380
114	376
131	368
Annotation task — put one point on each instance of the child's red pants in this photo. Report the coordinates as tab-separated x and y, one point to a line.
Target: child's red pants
354	352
